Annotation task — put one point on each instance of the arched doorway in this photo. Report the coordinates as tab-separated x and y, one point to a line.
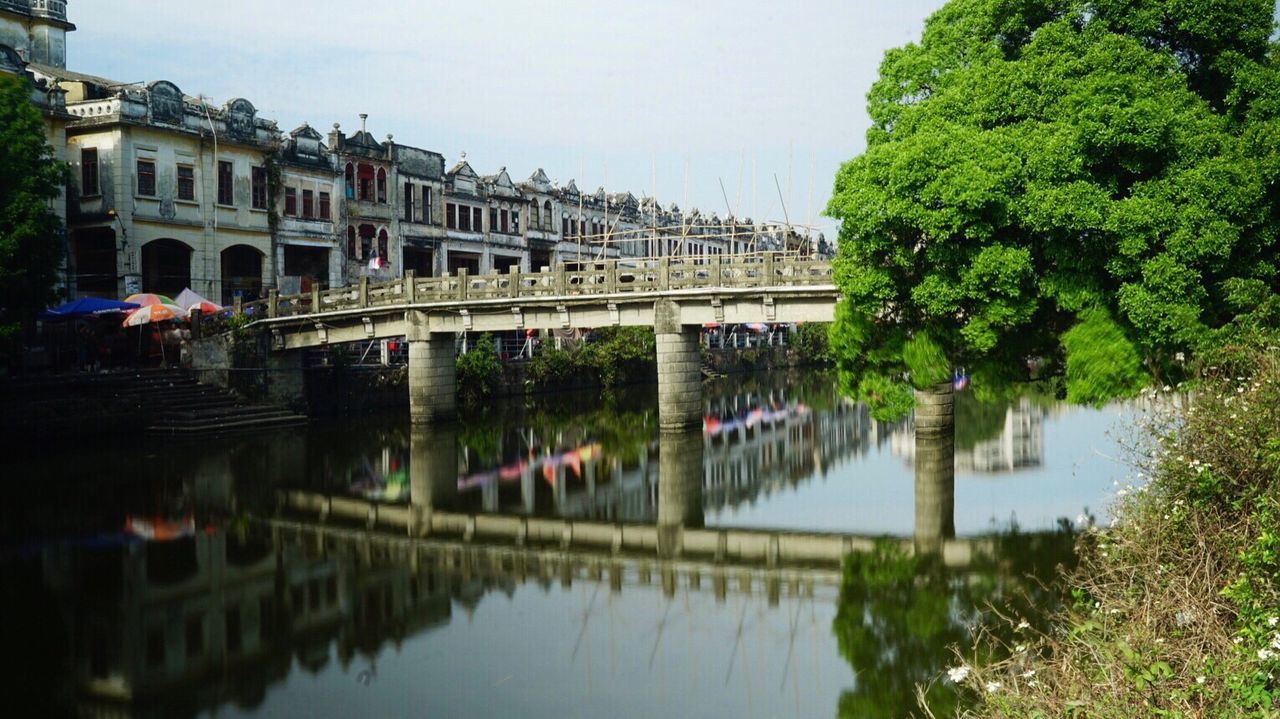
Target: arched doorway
241	274
166	267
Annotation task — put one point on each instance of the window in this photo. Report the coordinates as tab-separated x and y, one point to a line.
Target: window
147	178
506	220
493	219
451	215
364	182
564	226
426	204
382	248
408	201
324	207
546	215
382	185
186	182
259	177
290	202
366	240
89	171
351	242
476	219
224	183
464	218
351	181
308	204
515	221
534	217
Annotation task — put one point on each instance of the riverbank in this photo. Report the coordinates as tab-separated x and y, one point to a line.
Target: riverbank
1176	607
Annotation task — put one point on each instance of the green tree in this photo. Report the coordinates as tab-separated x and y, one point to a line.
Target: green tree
30	179
1086	182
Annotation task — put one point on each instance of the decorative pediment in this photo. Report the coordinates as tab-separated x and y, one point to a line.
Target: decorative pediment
166	102
240	118
463	169
11	61
307	132
540	181
571	189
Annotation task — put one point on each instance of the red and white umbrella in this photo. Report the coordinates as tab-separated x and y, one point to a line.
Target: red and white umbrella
154	313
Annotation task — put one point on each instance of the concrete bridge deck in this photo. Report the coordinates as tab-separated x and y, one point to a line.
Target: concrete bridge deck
676	296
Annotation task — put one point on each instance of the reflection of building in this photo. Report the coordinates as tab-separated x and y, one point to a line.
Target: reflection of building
1020	443
205	619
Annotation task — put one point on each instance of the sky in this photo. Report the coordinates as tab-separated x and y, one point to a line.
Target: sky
750	106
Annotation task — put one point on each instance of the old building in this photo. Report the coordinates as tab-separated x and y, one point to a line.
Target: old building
308	253
168	190
367	212
421	209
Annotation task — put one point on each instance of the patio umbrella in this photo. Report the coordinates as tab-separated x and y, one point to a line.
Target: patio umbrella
190	301
86	307
150	298
154	313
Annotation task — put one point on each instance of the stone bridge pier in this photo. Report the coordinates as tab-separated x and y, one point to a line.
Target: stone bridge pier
432	371
433	470
679	368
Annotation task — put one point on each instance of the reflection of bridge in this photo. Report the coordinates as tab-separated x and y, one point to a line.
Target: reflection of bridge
675	296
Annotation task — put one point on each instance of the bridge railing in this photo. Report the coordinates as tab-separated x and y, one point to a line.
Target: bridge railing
584	277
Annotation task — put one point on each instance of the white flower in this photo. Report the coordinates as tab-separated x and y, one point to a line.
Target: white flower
1200	679
1264	654
958	674
1020	648
1272	621
1023	625
1275	642
1028	674
992	687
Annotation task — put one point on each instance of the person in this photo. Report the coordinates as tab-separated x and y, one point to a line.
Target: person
172	339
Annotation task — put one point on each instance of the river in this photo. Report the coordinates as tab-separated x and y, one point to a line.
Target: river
153	577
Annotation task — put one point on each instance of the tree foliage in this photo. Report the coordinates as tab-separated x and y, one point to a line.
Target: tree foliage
30	179
1034	164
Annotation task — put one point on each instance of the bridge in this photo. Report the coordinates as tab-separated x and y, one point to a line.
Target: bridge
676	296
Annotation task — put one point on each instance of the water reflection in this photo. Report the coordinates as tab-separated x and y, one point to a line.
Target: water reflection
142	588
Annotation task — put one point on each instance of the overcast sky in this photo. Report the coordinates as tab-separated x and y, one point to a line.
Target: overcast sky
610	94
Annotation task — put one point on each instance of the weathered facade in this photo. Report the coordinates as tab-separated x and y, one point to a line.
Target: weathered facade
171	191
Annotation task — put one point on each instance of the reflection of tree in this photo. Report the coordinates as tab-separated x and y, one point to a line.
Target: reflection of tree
899	615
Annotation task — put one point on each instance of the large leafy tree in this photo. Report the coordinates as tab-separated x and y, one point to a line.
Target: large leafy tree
30	179
1087	182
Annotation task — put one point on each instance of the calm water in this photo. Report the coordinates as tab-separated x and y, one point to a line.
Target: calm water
146	580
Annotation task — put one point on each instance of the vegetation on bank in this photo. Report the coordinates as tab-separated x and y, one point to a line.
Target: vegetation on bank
1175	608
611	357
31	177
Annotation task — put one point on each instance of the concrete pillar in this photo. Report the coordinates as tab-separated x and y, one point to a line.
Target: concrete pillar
680	479
679	369
432	378
935	468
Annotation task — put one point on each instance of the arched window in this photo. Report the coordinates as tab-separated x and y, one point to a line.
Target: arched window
351	239
382	185
382	248
533	217
351	182
546	215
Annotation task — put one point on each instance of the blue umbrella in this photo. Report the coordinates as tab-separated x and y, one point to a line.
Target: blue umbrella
85	307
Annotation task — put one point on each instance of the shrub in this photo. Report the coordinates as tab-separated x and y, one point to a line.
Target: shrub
479	370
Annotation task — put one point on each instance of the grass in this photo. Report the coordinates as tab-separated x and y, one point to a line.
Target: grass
1175	608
